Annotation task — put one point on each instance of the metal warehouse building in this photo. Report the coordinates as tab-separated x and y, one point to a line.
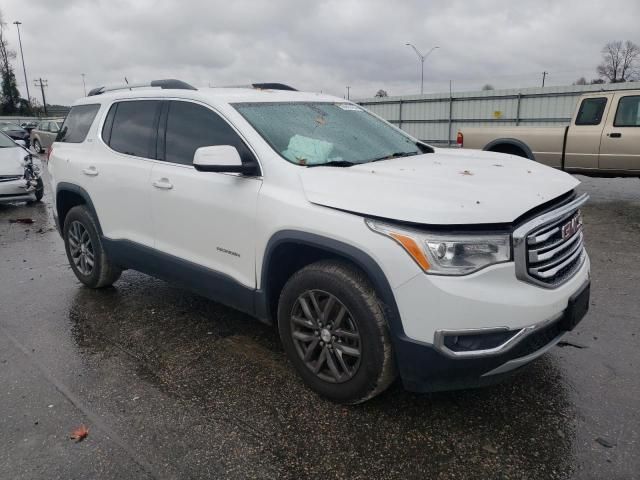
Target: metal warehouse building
437	117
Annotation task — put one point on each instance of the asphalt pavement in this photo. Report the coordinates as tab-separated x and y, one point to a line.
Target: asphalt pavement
171	385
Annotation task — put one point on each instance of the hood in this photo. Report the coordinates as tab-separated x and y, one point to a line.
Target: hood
11	161
447	187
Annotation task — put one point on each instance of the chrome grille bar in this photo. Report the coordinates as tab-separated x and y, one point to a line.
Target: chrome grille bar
549	249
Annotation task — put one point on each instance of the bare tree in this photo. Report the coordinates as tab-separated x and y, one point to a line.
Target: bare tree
381	93
619	61
581	81
487	86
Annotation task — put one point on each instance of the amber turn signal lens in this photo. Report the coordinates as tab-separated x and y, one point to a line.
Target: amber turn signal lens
412	248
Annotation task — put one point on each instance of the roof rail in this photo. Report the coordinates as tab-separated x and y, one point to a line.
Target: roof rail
262	86
273	86
168	83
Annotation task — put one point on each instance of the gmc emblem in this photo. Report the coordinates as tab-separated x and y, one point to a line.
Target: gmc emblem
572	226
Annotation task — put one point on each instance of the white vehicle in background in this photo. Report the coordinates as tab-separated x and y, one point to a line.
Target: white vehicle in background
374	254
19	177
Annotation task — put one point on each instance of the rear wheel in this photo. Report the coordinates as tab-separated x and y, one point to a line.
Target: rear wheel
333	328
36	146
85	252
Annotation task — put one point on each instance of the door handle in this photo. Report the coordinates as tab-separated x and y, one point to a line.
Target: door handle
163	184
614	134
91	171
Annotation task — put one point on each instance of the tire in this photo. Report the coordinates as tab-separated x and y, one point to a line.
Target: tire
83	245
39	190
360	327
36	146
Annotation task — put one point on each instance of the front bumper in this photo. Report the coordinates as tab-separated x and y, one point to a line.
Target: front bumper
427	368
492	300
15	191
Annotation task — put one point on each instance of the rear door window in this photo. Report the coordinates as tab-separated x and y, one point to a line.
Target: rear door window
628	113
591	111
133	127
77	124
191	126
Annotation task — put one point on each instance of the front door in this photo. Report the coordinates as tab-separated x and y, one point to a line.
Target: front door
620	148
206	218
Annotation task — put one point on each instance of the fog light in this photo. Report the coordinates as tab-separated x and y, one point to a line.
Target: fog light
477	341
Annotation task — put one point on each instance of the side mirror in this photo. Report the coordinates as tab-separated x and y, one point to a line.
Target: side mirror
22	143
221	158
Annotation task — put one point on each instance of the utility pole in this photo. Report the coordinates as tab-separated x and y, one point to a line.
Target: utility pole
24	68
42	83
348	88
544	75
84	85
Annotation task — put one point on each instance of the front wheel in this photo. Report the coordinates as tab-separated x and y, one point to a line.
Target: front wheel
87	257
37	147
333	329
39	189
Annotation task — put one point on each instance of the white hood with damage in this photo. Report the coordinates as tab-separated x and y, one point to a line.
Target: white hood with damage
11	159
442	188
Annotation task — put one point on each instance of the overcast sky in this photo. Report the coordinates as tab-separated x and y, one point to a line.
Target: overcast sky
314	45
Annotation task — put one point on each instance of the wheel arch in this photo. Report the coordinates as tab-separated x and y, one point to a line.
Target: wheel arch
69	195
510	142
303	248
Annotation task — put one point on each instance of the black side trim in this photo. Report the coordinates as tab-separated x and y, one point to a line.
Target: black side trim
201	280
510	141
71	187
355	255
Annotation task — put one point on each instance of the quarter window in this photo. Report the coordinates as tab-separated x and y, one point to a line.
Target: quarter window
133	128
77	124
191	126
628	113
591	111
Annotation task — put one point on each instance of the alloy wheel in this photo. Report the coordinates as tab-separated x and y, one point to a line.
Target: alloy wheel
81	248
326	336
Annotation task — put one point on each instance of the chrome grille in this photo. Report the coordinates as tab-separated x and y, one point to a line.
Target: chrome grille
549	249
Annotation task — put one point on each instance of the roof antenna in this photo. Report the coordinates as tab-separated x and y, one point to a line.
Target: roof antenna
127	82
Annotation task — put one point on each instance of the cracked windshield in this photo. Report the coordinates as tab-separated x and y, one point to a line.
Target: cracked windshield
336	134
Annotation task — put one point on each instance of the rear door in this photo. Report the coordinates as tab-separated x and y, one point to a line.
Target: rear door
206	218
620	149
583	139
117	171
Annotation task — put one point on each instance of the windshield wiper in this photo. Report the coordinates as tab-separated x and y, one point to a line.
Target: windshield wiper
394	155
334	163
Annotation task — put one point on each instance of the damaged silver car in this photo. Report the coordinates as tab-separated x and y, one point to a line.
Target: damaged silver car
19	177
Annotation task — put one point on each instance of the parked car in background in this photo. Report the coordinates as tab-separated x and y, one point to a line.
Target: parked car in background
45	134
374	253
602	139
29	125
19	177
15	131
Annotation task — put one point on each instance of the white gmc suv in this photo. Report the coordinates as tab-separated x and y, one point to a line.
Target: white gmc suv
375	254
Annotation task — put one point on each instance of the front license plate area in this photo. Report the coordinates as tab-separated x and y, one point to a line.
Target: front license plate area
577	308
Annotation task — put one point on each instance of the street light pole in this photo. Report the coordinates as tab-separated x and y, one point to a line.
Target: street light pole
24	68
422	59
348	89
84	85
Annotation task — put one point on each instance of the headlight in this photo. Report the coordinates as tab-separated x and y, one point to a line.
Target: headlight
448	254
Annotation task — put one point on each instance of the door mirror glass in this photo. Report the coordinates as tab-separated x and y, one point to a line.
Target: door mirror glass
219	158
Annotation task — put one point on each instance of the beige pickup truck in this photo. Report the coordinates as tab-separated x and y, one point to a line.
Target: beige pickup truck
602	139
